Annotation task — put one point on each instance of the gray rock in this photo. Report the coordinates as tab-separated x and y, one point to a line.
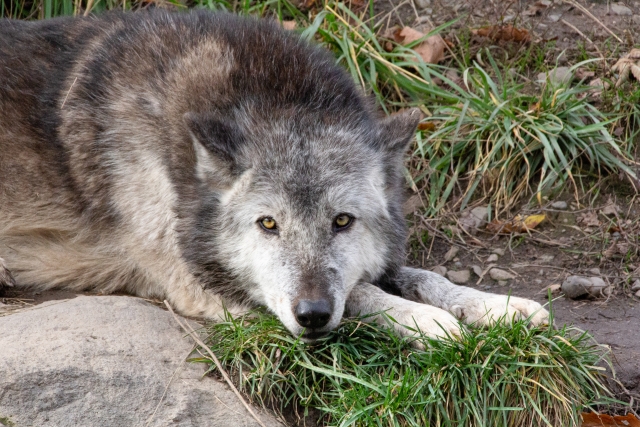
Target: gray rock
578	286
560	205
498	251
475	218
594	271
440	269
492	258
620	9
459	277
451	253
477	270
554	17
107	361
500	275
638	294
422	4
636	285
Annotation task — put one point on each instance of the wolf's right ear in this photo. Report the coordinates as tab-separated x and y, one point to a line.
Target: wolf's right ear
216	144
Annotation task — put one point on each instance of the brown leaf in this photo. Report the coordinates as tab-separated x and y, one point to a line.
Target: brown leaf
428	126
589	219
504	33
431	50
590	419
516	225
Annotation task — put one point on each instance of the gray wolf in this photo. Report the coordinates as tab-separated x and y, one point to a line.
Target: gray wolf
213	161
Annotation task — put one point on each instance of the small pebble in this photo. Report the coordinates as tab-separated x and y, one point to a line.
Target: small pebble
492	258
636	285
594	271
560	205
498	251
457	264
451	253
440	269
502	283
638	294
500	275
477	270
459	277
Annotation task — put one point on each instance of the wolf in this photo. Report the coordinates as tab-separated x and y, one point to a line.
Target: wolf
216	162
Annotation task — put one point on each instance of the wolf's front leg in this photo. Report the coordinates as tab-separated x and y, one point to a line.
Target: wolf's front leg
467	304
432	321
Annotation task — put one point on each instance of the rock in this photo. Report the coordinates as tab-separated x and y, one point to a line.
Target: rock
503	282
498	251
474	219
554	17
500	275
459	277
577	286
107	361
560	205
557	76
636	286
492	258
477	270
594	271
544	259
451	253
440	269
620	9
638	294
422	4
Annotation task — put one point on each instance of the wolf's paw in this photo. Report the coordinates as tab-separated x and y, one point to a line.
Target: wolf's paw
431	321
6	279
490	307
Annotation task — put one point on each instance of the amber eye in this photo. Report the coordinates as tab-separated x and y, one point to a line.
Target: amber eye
268	224
341	222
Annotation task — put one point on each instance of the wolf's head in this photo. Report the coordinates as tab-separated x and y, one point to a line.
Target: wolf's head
303	212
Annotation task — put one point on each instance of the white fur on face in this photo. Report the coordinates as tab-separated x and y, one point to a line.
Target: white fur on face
271	265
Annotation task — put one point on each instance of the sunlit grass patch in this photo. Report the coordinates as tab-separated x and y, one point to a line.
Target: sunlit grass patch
365	375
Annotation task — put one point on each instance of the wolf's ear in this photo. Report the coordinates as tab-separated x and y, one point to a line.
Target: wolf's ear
397	131
216	144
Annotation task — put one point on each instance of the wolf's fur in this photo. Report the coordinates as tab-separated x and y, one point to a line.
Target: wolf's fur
138	152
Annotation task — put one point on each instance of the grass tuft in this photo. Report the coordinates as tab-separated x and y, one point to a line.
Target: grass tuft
365	375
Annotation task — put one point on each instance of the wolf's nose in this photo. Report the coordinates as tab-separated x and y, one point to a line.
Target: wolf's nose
313	314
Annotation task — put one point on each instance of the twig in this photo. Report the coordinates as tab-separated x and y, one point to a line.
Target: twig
590	15
195	337
583	36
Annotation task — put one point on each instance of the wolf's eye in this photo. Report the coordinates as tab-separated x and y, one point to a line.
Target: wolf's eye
269	224
342	222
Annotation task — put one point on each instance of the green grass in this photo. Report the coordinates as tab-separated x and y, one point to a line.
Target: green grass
365	375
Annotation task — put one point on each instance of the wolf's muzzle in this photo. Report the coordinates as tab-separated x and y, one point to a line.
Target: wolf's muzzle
313	314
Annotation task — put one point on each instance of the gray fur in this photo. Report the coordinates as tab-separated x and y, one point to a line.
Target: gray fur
140	152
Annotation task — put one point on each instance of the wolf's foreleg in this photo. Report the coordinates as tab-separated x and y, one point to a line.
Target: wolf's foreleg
467	304
367	299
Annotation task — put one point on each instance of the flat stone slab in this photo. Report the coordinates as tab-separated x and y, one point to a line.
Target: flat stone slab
108	361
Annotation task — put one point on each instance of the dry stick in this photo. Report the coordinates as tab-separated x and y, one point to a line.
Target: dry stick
590	15
193	335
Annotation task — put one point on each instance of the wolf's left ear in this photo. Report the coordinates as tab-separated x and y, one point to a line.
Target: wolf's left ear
397	131
216	143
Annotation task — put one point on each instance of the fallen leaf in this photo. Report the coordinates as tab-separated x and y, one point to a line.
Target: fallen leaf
288	25
589	219
627	66
431	50
451	253
590	419
504	33
537	7
516	225
610	209
428	126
